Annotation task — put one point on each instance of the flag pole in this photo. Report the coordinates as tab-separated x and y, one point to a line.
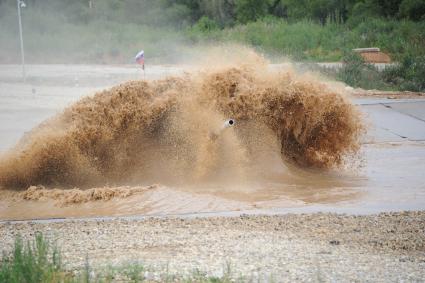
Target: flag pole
141	61
21	4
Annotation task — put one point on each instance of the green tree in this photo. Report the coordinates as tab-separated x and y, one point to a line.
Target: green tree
221	11
205	24
250	10
412	9
389	8
318	10
384	8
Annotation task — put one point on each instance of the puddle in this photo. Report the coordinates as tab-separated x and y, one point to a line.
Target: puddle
390	181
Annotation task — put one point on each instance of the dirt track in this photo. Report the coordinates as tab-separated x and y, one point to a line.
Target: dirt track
308	247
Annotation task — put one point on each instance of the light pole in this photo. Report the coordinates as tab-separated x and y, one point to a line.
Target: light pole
21	4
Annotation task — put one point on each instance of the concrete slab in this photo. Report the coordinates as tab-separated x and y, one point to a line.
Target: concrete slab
396	123
380	100
15	123
379	135
413	109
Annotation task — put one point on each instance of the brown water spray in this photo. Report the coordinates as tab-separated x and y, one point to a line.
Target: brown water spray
160	131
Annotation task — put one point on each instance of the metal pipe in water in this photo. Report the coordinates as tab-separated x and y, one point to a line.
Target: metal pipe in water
227	124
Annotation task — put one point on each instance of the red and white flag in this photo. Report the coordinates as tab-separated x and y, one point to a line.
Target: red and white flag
140	58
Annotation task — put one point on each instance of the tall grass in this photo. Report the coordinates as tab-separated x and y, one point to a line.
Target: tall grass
308	40
32	262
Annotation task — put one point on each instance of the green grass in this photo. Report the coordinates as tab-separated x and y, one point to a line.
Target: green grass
308	40
32	262
40	261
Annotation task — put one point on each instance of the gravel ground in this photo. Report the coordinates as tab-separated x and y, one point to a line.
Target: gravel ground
305	247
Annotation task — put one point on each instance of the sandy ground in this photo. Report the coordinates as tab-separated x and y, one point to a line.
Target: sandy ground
388	247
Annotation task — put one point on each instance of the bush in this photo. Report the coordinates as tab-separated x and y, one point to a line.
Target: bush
205	25
357	73
412	9
409	74
250	10
351	72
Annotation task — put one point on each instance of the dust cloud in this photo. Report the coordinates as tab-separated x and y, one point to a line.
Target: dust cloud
144	132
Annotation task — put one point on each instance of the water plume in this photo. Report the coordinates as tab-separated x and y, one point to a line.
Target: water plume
160	131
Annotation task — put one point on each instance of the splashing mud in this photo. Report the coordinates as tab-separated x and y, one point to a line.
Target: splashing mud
76	196
160	131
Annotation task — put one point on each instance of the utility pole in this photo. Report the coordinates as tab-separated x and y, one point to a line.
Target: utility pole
21	4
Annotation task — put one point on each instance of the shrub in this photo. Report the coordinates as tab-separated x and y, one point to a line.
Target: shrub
412	9
351	72
357	73
409	74
250	10
205	25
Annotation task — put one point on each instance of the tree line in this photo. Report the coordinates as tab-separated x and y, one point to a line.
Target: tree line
225	13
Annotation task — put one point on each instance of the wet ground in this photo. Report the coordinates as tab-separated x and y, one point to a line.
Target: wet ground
390	177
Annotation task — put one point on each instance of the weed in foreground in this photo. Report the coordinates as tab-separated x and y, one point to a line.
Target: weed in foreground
40	261
32	262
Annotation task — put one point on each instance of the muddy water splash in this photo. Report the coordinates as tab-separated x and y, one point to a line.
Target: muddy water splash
76	196
160	131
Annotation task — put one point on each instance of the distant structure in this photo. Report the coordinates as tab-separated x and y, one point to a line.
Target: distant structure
373	55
